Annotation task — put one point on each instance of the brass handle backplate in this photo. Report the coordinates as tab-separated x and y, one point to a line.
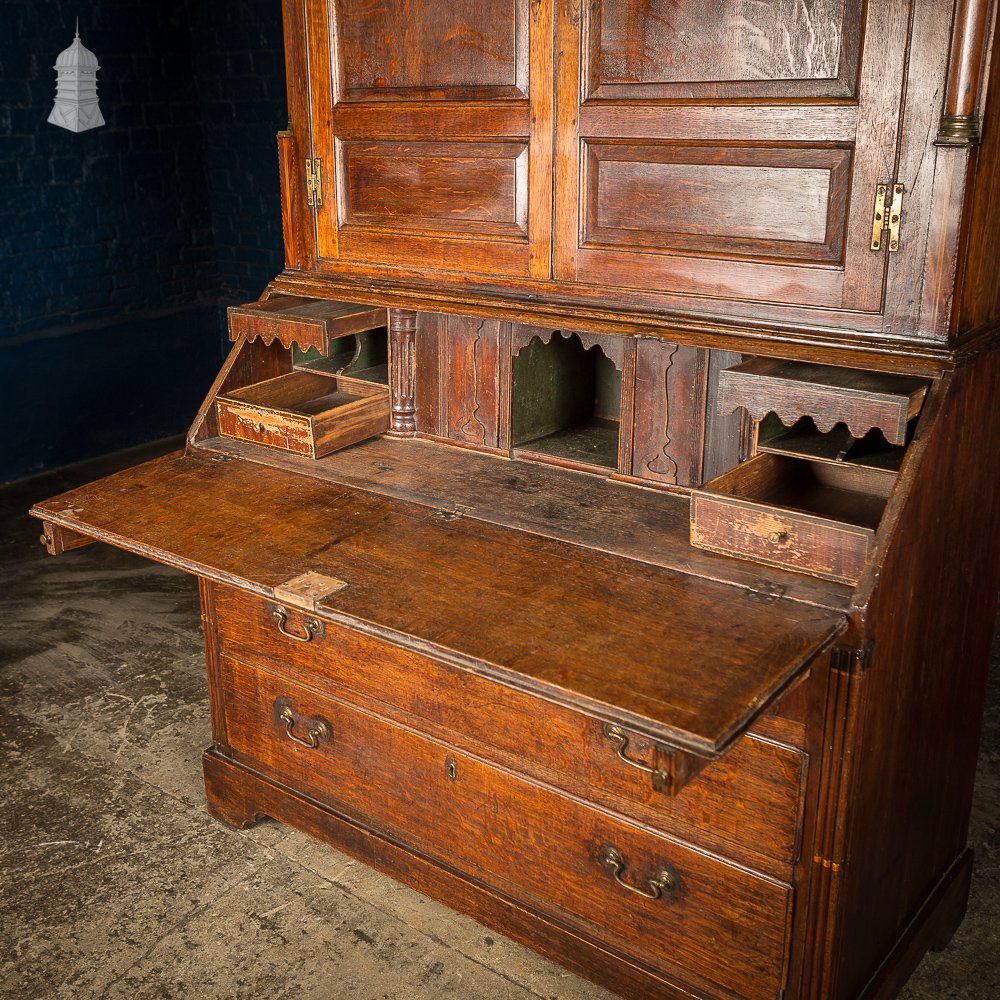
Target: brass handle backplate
665	880
619	739
318	732
310	626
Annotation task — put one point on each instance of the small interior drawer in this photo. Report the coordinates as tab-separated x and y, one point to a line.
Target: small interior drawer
816	517
311	323
861	400
305	412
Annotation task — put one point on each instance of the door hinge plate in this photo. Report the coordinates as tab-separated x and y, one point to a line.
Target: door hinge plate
314	183
887	215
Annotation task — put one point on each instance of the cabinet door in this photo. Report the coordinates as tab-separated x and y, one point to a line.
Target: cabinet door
433	124
722	149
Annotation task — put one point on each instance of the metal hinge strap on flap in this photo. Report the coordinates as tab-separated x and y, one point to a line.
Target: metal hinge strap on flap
314	183
887	214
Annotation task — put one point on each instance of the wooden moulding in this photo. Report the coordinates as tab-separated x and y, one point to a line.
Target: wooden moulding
815	517
306	322
791	389
290	196
305	412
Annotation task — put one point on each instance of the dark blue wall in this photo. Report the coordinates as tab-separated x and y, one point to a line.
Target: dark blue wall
119	247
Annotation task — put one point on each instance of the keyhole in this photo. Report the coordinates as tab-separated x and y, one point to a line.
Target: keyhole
451	770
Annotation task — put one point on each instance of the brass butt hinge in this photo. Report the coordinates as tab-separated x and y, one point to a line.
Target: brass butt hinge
851	659
314	183
888	214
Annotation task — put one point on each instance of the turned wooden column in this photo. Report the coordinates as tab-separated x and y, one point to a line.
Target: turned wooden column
402	334
960	124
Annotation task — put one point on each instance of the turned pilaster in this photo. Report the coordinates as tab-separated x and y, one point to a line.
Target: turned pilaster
402	336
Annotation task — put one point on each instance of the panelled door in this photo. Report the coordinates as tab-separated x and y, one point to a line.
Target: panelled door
433	126
727	149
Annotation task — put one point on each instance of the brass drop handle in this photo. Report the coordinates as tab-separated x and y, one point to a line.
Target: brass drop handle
665	880
619	740
318	731
776	537
310	626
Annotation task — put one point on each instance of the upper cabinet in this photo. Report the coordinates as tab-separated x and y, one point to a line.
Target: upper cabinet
767	165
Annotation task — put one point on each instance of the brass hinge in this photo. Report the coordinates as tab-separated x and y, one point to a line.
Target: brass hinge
314	183
889	217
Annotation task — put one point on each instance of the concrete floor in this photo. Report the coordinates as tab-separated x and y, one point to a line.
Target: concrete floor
114	882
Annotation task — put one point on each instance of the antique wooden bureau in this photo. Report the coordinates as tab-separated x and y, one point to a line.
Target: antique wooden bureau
597	521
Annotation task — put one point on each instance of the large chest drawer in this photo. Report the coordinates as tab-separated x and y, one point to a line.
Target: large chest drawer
747	805
647	895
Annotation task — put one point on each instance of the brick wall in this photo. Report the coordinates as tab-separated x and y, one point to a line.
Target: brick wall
238	57
118	245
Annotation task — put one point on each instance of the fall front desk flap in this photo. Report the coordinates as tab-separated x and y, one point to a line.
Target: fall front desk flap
682	659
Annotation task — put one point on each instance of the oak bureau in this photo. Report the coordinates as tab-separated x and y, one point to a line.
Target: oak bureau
596	522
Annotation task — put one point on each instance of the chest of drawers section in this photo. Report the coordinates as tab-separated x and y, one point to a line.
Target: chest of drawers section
536	801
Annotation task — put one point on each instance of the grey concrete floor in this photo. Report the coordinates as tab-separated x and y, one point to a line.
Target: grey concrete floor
114	882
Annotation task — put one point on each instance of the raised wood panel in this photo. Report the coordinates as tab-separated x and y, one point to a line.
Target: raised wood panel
781	202
721	48
470	384
766	199
459	187
670	389
433	125
426	50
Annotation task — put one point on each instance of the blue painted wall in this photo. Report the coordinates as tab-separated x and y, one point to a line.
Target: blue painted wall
120	247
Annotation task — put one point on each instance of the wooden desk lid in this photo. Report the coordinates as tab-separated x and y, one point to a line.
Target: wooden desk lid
830	395
307	322
684	660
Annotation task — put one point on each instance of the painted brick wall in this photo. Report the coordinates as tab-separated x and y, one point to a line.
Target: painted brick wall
119	245
238	57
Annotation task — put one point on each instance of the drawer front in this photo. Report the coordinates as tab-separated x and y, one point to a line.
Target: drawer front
263	426
780	538
748	804
726	924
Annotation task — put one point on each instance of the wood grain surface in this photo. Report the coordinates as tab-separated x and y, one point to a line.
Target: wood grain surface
721	923
553	744
542	615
